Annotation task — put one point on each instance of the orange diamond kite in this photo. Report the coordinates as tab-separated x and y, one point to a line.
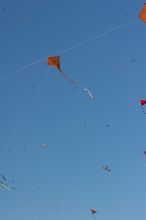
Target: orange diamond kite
142	15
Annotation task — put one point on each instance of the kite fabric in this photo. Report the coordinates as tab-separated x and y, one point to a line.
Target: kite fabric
144	153
4	185
142	102
55	62
142	15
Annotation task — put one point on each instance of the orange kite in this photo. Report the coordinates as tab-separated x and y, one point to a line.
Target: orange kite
142	15
55	62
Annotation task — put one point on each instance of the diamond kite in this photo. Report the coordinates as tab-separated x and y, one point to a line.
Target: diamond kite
55	62
142	15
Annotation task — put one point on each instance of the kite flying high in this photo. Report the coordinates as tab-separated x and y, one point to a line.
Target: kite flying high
93	212
143	102
55	62
106	168
142	15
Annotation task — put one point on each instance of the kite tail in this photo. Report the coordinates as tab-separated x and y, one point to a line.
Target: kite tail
143	110
87	91
65	76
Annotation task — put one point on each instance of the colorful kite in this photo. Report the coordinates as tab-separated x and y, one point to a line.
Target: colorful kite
142	15
55	62
143	102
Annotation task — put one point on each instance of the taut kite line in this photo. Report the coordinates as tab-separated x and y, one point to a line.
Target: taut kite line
69	48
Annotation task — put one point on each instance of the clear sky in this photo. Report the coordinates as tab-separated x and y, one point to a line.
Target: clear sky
38	106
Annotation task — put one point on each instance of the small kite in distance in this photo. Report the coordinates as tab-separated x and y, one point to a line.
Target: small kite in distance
93	212
142	14
143	102
55	62
106	168
4	184
44	145
144	153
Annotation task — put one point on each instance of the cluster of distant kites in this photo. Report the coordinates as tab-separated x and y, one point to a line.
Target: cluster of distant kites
54	61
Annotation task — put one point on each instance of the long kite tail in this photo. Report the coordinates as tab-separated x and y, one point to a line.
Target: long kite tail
89	93
66	77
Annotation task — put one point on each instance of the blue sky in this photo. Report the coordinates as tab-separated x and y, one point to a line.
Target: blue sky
65	180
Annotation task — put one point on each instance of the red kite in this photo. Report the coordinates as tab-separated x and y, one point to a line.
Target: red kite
55	62
142	15
143	102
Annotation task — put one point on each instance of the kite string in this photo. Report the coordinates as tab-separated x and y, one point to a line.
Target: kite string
6	148
96	37
70	48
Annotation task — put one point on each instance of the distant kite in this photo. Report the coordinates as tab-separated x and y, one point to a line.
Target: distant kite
143	102
106	168
144	153
44	145
93	212
142	15
55	62
2	184
3	177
